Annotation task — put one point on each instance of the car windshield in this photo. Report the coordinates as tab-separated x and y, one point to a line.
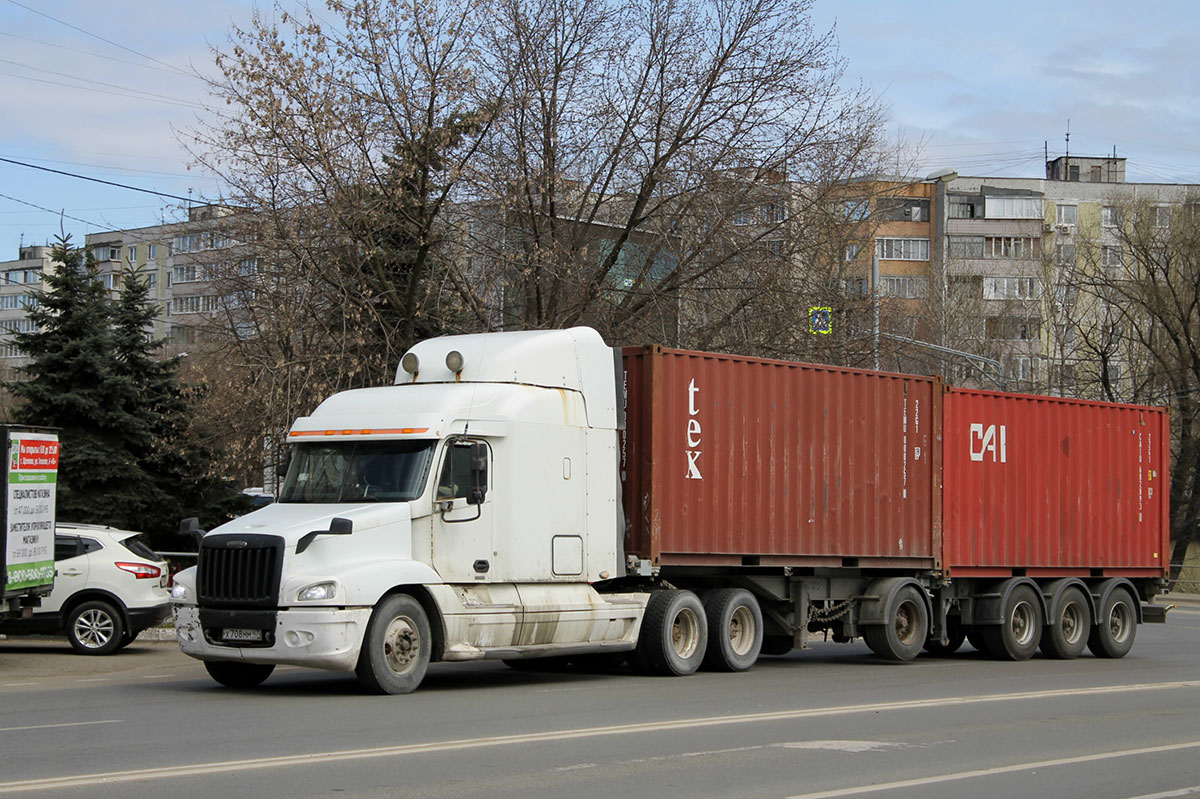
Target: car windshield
357	471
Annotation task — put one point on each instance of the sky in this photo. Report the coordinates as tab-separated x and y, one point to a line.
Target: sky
109	91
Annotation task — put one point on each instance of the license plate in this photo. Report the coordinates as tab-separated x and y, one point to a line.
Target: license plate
240	634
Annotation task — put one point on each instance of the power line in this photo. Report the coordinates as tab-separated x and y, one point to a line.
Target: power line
91	54
101	38
181	103
132	91
96	180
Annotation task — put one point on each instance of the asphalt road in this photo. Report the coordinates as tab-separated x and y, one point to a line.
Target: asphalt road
832	721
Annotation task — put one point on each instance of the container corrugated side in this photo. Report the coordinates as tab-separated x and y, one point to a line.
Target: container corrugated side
1050	485
733	460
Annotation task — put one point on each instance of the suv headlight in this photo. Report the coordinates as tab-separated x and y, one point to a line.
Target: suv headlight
317	593
180	593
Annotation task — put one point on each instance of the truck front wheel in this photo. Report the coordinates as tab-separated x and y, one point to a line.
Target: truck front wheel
673	635
396	648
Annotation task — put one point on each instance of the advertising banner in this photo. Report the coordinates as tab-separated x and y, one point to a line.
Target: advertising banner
29	510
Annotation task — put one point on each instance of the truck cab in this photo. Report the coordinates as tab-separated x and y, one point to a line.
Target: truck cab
465	512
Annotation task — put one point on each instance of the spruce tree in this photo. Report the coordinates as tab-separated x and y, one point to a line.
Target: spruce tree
178	462
70	383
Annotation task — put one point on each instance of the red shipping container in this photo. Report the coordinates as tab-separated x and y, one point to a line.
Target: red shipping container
1054	486
729	460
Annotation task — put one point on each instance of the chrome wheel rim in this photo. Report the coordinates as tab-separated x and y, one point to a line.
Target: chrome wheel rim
906	623
741	630
1072	623
685	633
1022	623
94	628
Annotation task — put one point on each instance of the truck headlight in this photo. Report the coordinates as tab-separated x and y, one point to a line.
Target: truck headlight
180	593
317	593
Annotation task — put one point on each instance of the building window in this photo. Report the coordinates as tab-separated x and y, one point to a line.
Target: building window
902	249
1012	328
185	305
131	253
1162	217
741	218
152	251
1013	207
775	246
903	210
966	246
1110	257
851	253
1025	368
1010	288
1066	214
856	288
856	209
151	279
1064	254
962	210
185	273
773	213
110	281
1015	247
1111	216
910	288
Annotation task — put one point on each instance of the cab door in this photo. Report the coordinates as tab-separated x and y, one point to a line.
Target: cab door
462	527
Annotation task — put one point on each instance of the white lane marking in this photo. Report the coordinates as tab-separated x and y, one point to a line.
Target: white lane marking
174	772
94	679
845	746
64	724
1193	791
988	772
16	684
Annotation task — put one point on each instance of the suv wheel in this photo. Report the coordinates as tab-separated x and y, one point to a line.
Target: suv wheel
95	628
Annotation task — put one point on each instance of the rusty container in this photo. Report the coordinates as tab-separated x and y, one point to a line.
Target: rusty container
730	460
1050	486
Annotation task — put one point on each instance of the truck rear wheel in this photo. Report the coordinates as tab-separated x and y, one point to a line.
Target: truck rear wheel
233	674
735	630
1116	626
1068	636
673	635
1018	635
905	628
396	648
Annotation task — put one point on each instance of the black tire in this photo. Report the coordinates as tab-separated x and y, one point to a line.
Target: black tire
1068	636
235	674
777	645
955	635
396	647
735	630
673	636
1116	626
975	639
95	627
1018	635
906	628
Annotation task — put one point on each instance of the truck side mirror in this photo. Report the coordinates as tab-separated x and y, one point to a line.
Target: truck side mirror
479	464
191	526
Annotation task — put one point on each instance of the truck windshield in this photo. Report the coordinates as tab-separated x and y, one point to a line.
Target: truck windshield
357	471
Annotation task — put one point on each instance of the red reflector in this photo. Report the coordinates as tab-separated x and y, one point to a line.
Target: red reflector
142	571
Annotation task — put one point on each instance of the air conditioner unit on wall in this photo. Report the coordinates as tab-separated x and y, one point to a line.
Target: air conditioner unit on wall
1066	229
1046	228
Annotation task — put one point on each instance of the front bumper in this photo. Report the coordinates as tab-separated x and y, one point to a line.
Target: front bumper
145	618
319	638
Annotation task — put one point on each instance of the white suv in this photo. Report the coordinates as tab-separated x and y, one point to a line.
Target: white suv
108	587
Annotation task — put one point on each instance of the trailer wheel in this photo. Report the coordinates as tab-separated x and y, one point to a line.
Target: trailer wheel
396	648
955	635
673	635
234	674
904	631
1068	636
735	630
1018	635
1116	626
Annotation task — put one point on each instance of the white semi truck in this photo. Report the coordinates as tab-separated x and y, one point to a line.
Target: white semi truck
539	497
463	513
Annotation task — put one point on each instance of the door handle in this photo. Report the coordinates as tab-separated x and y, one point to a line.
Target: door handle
71	573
